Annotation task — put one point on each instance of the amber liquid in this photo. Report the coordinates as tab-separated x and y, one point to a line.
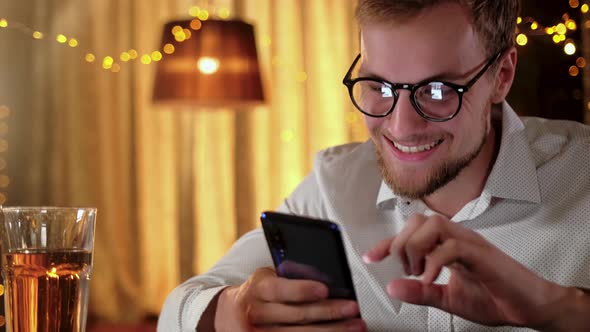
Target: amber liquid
46	290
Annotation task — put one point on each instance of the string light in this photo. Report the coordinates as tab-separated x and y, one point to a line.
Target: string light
569	48
107	62
194	11
156	56
584	8
61	39
203	15
223	13
521	39
125	56
196	24
90	57
181	34
133	54
146	59
169	48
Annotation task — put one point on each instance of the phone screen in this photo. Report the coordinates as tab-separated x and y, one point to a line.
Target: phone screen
306	248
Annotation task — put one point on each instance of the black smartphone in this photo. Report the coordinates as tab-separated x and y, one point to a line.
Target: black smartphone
307	248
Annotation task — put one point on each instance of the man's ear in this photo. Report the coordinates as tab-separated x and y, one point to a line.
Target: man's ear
505	75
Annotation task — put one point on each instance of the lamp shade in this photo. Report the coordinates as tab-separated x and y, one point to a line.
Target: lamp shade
210	64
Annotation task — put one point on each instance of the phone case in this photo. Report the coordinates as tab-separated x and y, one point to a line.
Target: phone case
307	248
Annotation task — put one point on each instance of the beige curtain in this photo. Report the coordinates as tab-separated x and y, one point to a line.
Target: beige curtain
176	187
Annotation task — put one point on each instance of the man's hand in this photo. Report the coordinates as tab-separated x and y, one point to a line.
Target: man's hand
266	302
485	286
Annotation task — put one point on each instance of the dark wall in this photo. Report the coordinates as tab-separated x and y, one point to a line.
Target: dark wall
543	86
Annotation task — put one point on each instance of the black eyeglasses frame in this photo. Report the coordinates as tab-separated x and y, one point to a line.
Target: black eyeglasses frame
460	89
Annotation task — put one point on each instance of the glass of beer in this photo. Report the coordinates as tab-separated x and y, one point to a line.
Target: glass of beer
46	265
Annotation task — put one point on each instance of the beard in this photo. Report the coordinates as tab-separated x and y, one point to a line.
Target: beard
437	178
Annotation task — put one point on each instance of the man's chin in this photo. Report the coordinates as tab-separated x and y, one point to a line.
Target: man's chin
409	183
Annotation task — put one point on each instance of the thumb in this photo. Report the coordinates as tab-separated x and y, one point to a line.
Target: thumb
415	292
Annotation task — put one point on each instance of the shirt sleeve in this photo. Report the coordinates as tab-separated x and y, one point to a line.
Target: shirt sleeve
184	306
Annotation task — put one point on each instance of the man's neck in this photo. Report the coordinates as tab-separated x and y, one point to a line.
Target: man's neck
470	183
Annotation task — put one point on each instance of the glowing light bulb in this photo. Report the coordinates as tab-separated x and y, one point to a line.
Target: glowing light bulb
196	24
194	11
223	13
146	59
90	57
584	8
61	39
156	56
534	26
208	65
133	54
522	39
125	56
3	23
73	42
37	35
187	34
169	48
518	20
569	48
574	3
574	71
176	29
571	24
203	15
581	62
107	62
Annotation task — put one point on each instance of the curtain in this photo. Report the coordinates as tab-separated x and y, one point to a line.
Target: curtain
174	187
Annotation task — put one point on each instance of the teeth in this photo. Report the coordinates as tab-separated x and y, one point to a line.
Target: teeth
415	149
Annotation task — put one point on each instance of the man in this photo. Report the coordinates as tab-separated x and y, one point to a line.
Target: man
487	214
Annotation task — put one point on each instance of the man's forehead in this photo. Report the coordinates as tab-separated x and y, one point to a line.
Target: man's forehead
412	53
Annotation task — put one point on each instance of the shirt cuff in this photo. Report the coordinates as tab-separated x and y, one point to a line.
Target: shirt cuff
195	305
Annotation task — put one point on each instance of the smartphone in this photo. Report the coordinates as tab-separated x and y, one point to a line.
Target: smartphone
307	248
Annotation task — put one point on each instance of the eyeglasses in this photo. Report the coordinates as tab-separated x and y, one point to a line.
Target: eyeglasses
436	101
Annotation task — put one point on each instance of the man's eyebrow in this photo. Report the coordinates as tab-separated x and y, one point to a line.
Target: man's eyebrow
445	76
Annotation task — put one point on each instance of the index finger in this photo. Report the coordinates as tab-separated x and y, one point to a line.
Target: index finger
282	290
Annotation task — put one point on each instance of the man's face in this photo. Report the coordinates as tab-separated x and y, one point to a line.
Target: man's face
417	156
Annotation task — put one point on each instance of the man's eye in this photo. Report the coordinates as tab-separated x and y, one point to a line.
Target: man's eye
436	91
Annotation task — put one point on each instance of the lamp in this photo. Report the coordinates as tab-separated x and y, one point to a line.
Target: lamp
209	64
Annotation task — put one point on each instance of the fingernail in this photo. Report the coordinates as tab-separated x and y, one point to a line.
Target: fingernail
349	310
366	259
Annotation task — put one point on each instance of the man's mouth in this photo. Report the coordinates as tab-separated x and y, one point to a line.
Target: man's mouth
416	148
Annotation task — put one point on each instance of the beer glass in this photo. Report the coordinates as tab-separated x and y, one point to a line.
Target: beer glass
46	265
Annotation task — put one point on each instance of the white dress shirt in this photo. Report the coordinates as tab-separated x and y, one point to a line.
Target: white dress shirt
535	206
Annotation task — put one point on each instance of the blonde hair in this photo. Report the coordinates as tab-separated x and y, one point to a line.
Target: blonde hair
493	20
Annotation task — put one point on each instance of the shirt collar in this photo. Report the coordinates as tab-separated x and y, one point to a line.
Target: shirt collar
513	176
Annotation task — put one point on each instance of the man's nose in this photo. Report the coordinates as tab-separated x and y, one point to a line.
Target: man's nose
405	121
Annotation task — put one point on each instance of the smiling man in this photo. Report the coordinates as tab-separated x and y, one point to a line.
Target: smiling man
457	214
